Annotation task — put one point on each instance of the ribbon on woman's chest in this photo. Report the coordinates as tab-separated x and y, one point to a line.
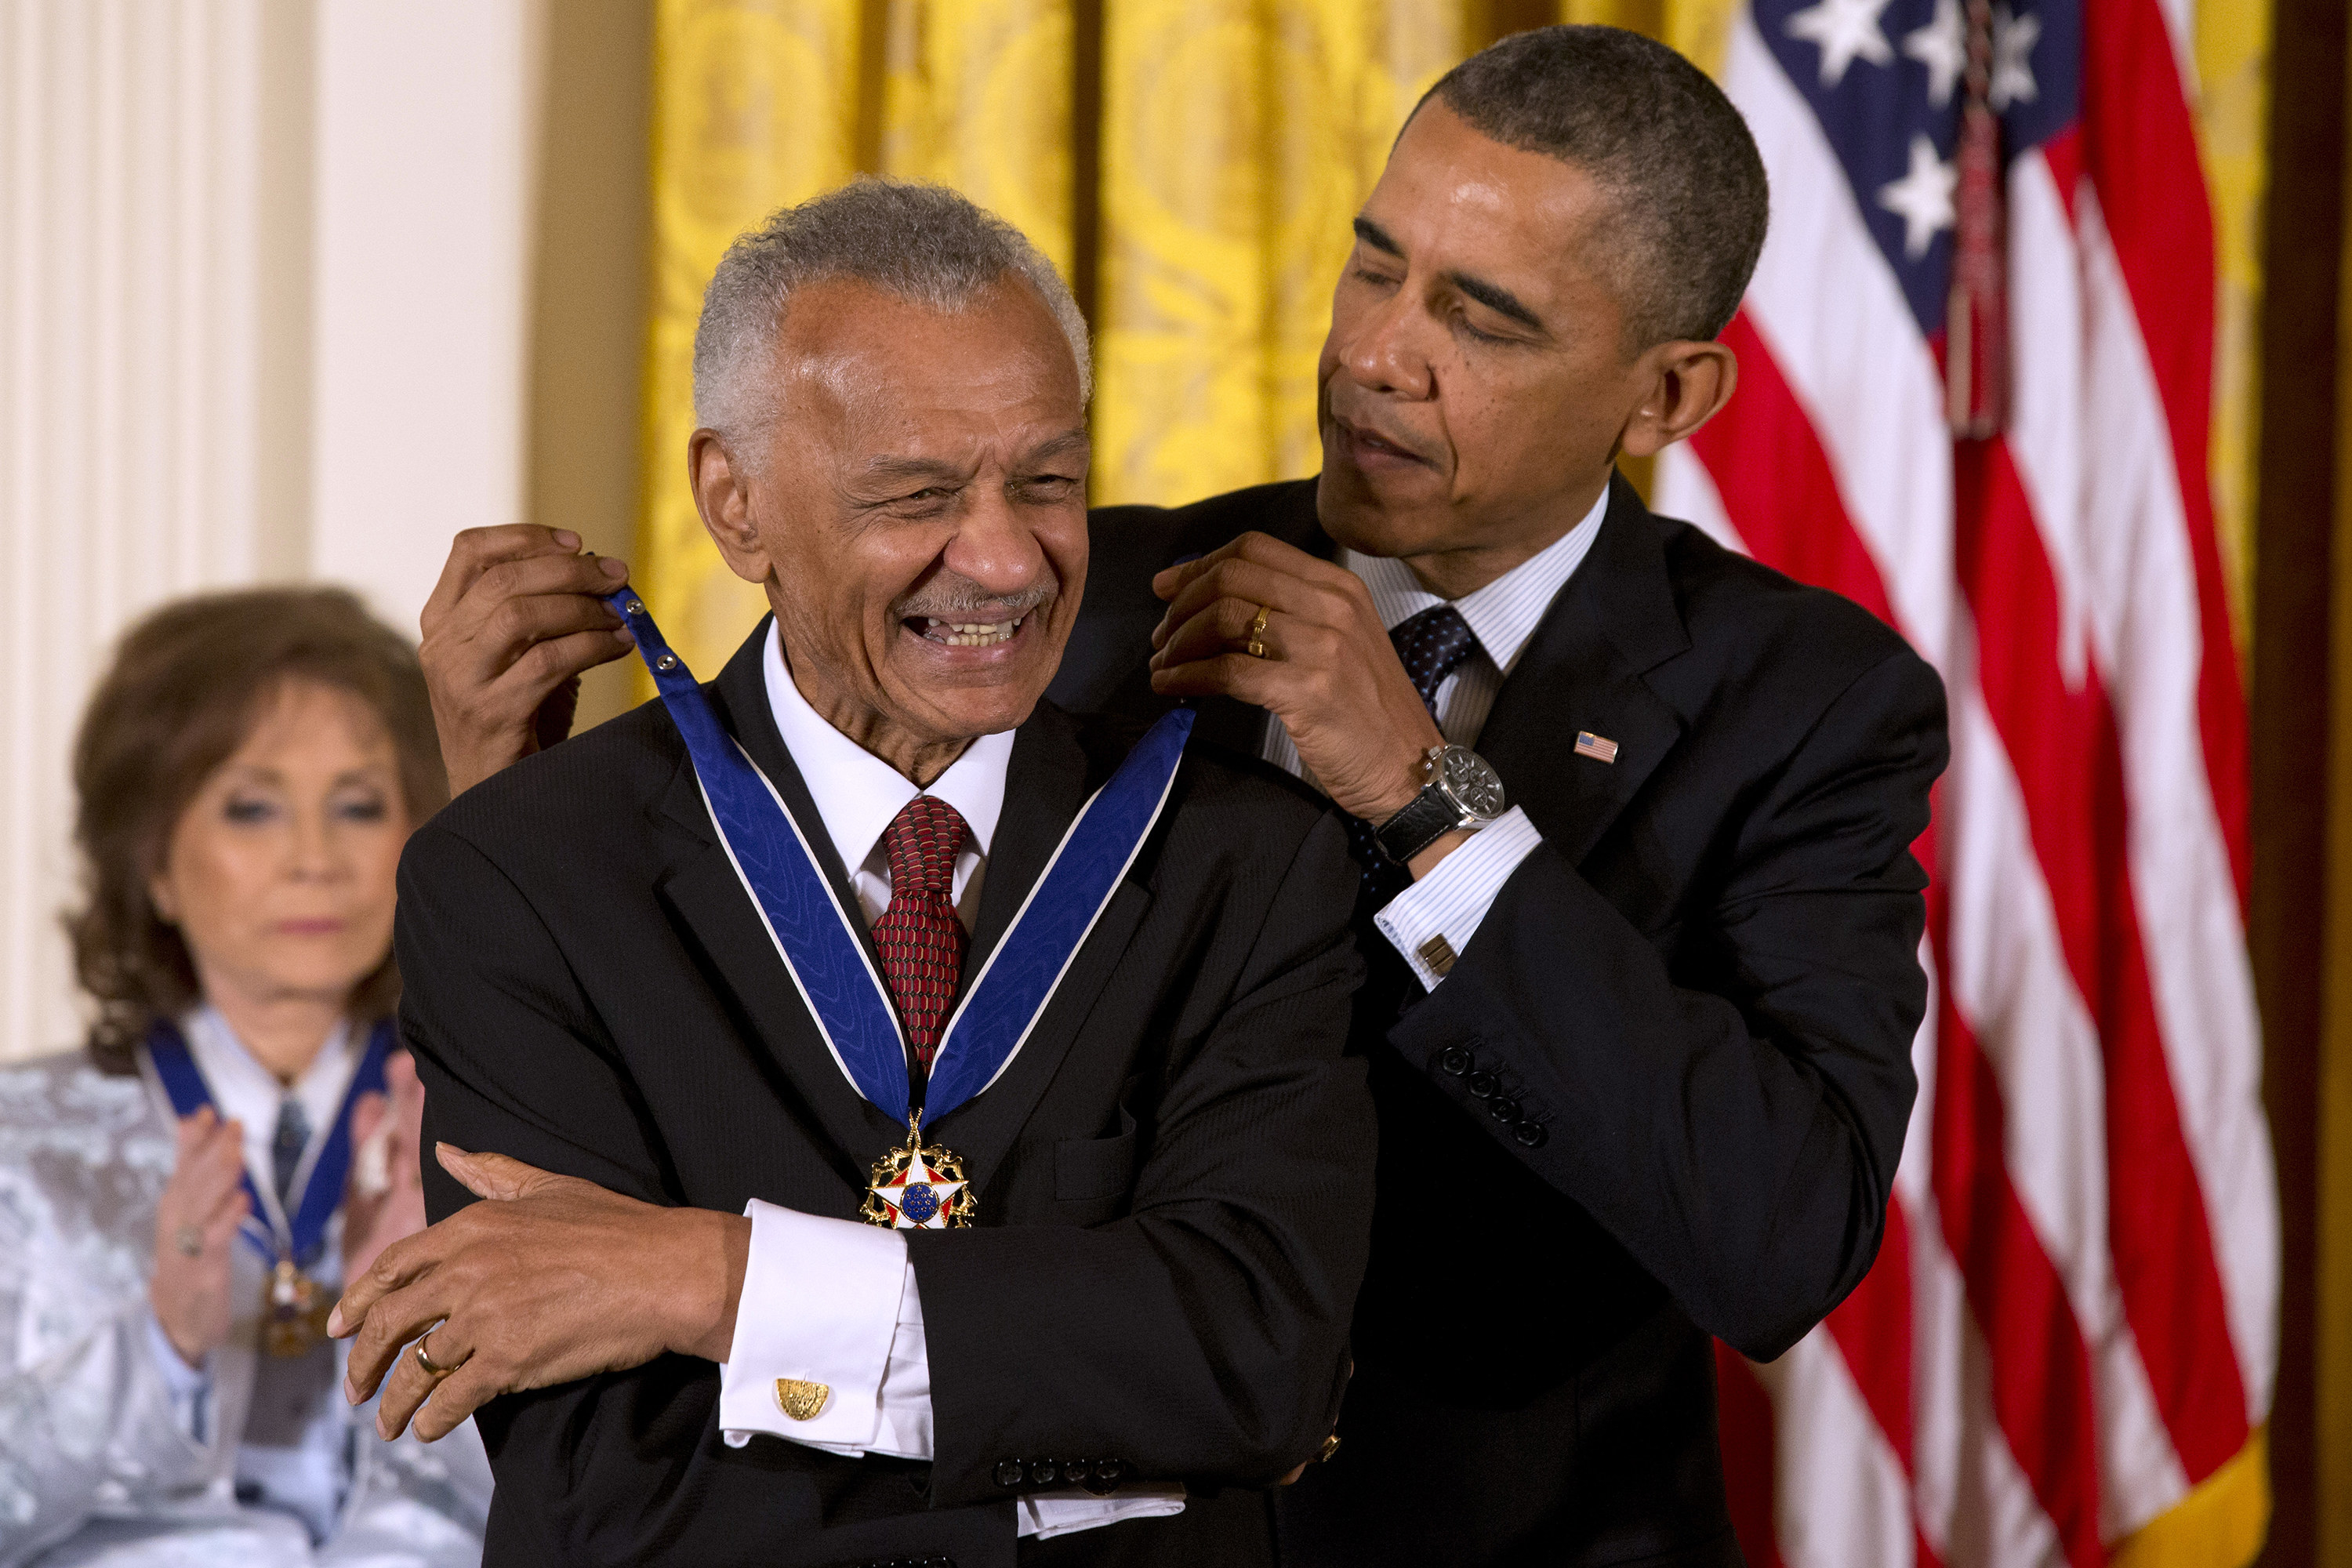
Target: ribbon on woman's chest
915	1185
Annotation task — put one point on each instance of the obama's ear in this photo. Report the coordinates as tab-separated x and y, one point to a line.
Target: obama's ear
1690	381
722	494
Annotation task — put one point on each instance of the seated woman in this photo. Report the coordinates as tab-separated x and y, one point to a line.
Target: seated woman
179	1201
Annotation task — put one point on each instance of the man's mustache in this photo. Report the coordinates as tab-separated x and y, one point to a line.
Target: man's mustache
962	600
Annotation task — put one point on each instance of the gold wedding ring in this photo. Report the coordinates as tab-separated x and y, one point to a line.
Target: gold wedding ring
1257	635
432	1368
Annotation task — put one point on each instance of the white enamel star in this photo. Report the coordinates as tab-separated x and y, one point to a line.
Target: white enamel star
919	1173
1845	31
1942	45
2013	37
1922	198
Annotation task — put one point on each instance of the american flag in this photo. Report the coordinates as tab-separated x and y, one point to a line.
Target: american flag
2071	1322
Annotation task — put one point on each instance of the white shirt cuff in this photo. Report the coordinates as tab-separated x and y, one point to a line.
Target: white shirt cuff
828	1301
1048	1514
1432	922
189	1388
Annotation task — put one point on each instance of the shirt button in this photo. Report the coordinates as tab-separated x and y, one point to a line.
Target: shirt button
1008	1473
1456	1059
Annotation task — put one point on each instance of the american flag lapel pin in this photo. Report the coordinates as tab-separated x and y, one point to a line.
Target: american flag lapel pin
1600	748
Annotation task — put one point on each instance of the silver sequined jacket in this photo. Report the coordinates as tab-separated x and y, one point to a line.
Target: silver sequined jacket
95	1468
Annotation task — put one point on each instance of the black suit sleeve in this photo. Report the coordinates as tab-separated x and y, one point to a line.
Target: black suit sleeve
1204	1336
1733	1119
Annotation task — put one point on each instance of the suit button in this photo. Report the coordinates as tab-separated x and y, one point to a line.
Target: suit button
1108	1474
1503	1108
1456	1059
1530	1134
1483	1084
1044	1472
1008	1473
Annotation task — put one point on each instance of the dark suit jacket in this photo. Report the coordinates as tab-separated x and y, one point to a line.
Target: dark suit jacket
1662	1094
1173	1176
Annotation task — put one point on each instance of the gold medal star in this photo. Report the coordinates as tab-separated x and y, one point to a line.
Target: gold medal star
918	1197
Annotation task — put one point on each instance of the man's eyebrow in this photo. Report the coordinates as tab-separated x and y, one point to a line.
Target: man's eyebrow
1502	301
889	468
1060	446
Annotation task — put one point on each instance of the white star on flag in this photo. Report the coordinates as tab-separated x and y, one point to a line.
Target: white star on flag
1943	47
1846	30
904	1207
1922	198
2013	37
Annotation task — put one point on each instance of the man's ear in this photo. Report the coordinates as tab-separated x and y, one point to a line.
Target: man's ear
1689	380
722	494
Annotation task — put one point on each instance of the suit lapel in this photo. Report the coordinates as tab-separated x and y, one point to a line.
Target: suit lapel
711	900
1582	672
1049	779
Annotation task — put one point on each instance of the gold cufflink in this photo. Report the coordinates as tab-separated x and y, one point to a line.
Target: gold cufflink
801	1401
1438	954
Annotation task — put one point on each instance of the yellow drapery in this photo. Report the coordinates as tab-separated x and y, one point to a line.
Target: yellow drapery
1230	142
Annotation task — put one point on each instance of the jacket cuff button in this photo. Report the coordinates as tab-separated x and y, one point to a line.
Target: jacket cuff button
1456	1061
1008	1473
1503	1108
1044	1472
1108	1474
1483	1084
1530	1134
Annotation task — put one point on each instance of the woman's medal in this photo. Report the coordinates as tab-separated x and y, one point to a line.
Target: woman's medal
294	1304
917	1185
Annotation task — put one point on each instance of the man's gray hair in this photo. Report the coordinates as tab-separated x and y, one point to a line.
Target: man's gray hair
922	242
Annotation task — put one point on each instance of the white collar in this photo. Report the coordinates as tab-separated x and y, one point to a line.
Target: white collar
245	1092
1505	613
857	793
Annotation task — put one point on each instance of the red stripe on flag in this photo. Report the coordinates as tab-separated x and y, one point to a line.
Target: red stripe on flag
1779	491
1776	481
2063	747
1744	1415
2041	1373
2139	146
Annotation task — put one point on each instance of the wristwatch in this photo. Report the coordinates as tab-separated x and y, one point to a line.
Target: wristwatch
1461	792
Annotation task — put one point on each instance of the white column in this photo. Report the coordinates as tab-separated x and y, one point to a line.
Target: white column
424	178
139	273
263	268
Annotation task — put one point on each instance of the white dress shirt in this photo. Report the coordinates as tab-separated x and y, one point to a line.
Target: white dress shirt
1454	897
833	1300
309	1477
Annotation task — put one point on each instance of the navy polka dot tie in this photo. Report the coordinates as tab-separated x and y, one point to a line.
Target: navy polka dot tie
1433	645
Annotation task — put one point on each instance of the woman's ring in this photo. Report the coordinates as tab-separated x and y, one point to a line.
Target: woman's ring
432	1368
189	1240
1257	635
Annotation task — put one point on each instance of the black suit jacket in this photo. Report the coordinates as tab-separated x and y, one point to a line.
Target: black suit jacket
1662	1094
1173	1176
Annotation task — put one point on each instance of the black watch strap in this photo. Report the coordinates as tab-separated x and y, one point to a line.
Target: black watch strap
1432	815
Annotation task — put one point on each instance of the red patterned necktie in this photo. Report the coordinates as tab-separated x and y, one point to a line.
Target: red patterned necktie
921	940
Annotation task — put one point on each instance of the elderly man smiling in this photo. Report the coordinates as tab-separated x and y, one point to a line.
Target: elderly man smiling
963	1080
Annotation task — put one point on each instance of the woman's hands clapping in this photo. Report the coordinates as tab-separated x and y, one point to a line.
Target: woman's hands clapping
195	1228
386	1203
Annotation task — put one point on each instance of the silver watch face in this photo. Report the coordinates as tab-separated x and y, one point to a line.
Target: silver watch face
1473	787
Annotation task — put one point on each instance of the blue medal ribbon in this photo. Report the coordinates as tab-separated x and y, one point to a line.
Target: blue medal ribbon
820	947
306	1227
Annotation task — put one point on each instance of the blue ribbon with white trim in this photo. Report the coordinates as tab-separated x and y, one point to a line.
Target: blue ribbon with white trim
303	1233
819	946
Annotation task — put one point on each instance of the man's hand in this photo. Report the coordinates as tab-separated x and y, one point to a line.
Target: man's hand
514	620
1330	673
554	1278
